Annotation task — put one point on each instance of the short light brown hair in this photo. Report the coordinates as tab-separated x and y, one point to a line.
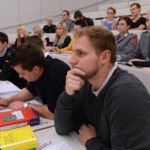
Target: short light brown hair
136	4
101	39
112	8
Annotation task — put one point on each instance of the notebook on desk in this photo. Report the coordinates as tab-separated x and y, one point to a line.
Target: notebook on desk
44	123
18	118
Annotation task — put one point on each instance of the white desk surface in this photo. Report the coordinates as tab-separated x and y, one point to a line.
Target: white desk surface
45	132
64	57
51	135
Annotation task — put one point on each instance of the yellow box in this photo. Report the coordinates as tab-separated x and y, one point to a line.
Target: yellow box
18	139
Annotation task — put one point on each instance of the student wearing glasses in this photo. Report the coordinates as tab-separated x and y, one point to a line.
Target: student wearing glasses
110	22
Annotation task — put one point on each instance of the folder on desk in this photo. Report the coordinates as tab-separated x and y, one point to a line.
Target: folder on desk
18	139
18	118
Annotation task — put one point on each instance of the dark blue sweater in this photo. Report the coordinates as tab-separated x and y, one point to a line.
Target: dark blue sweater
120	113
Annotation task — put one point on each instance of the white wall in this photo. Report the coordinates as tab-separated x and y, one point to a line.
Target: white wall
33	12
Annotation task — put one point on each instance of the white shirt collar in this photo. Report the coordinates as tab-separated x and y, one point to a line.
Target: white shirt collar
96	93
3	53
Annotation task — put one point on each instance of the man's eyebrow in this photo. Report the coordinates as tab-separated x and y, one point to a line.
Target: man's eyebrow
79	49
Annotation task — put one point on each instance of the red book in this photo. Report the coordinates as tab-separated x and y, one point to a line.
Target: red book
18	118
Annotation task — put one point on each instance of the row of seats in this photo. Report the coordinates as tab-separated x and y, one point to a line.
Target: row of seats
123	8
121	5
119	12
12	37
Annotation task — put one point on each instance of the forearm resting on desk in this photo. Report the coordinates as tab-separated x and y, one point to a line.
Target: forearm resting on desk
21	96
42	110
24	95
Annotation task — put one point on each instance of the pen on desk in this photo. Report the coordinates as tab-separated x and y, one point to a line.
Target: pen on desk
44	145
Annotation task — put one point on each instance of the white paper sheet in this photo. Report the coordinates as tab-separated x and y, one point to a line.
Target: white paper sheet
59	146
6	86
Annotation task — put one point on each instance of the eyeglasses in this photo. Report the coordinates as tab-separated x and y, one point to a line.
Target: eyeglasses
121	24
110	13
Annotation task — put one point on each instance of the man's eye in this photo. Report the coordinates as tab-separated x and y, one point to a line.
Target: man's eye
81	53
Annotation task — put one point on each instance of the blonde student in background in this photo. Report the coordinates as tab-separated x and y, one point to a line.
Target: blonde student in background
68	50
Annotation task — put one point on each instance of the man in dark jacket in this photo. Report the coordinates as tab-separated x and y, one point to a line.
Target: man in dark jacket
6	72
49	28
45	76
79	16
108	107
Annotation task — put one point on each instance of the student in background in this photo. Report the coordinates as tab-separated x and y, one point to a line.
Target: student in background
139	22
45	76
61	38
142	51
36	40
79	16
6	72
39	32
68	50
22	35
107	106
67	21
126	42
49	28
110	22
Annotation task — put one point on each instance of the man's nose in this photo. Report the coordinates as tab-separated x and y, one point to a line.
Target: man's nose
72	60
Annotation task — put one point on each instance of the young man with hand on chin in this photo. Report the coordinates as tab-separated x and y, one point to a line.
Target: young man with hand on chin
108	107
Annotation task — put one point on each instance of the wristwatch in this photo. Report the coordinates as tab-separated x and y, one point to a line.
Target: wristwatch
25	105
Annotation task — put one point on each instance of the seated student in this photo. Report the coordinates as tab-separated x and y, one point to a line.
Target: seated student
61	38
138	22
79	16
67	21
107	106
22	35
49	28
126	42
142	50
6	72
36	40
110	22
45	76
39	32
68	50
